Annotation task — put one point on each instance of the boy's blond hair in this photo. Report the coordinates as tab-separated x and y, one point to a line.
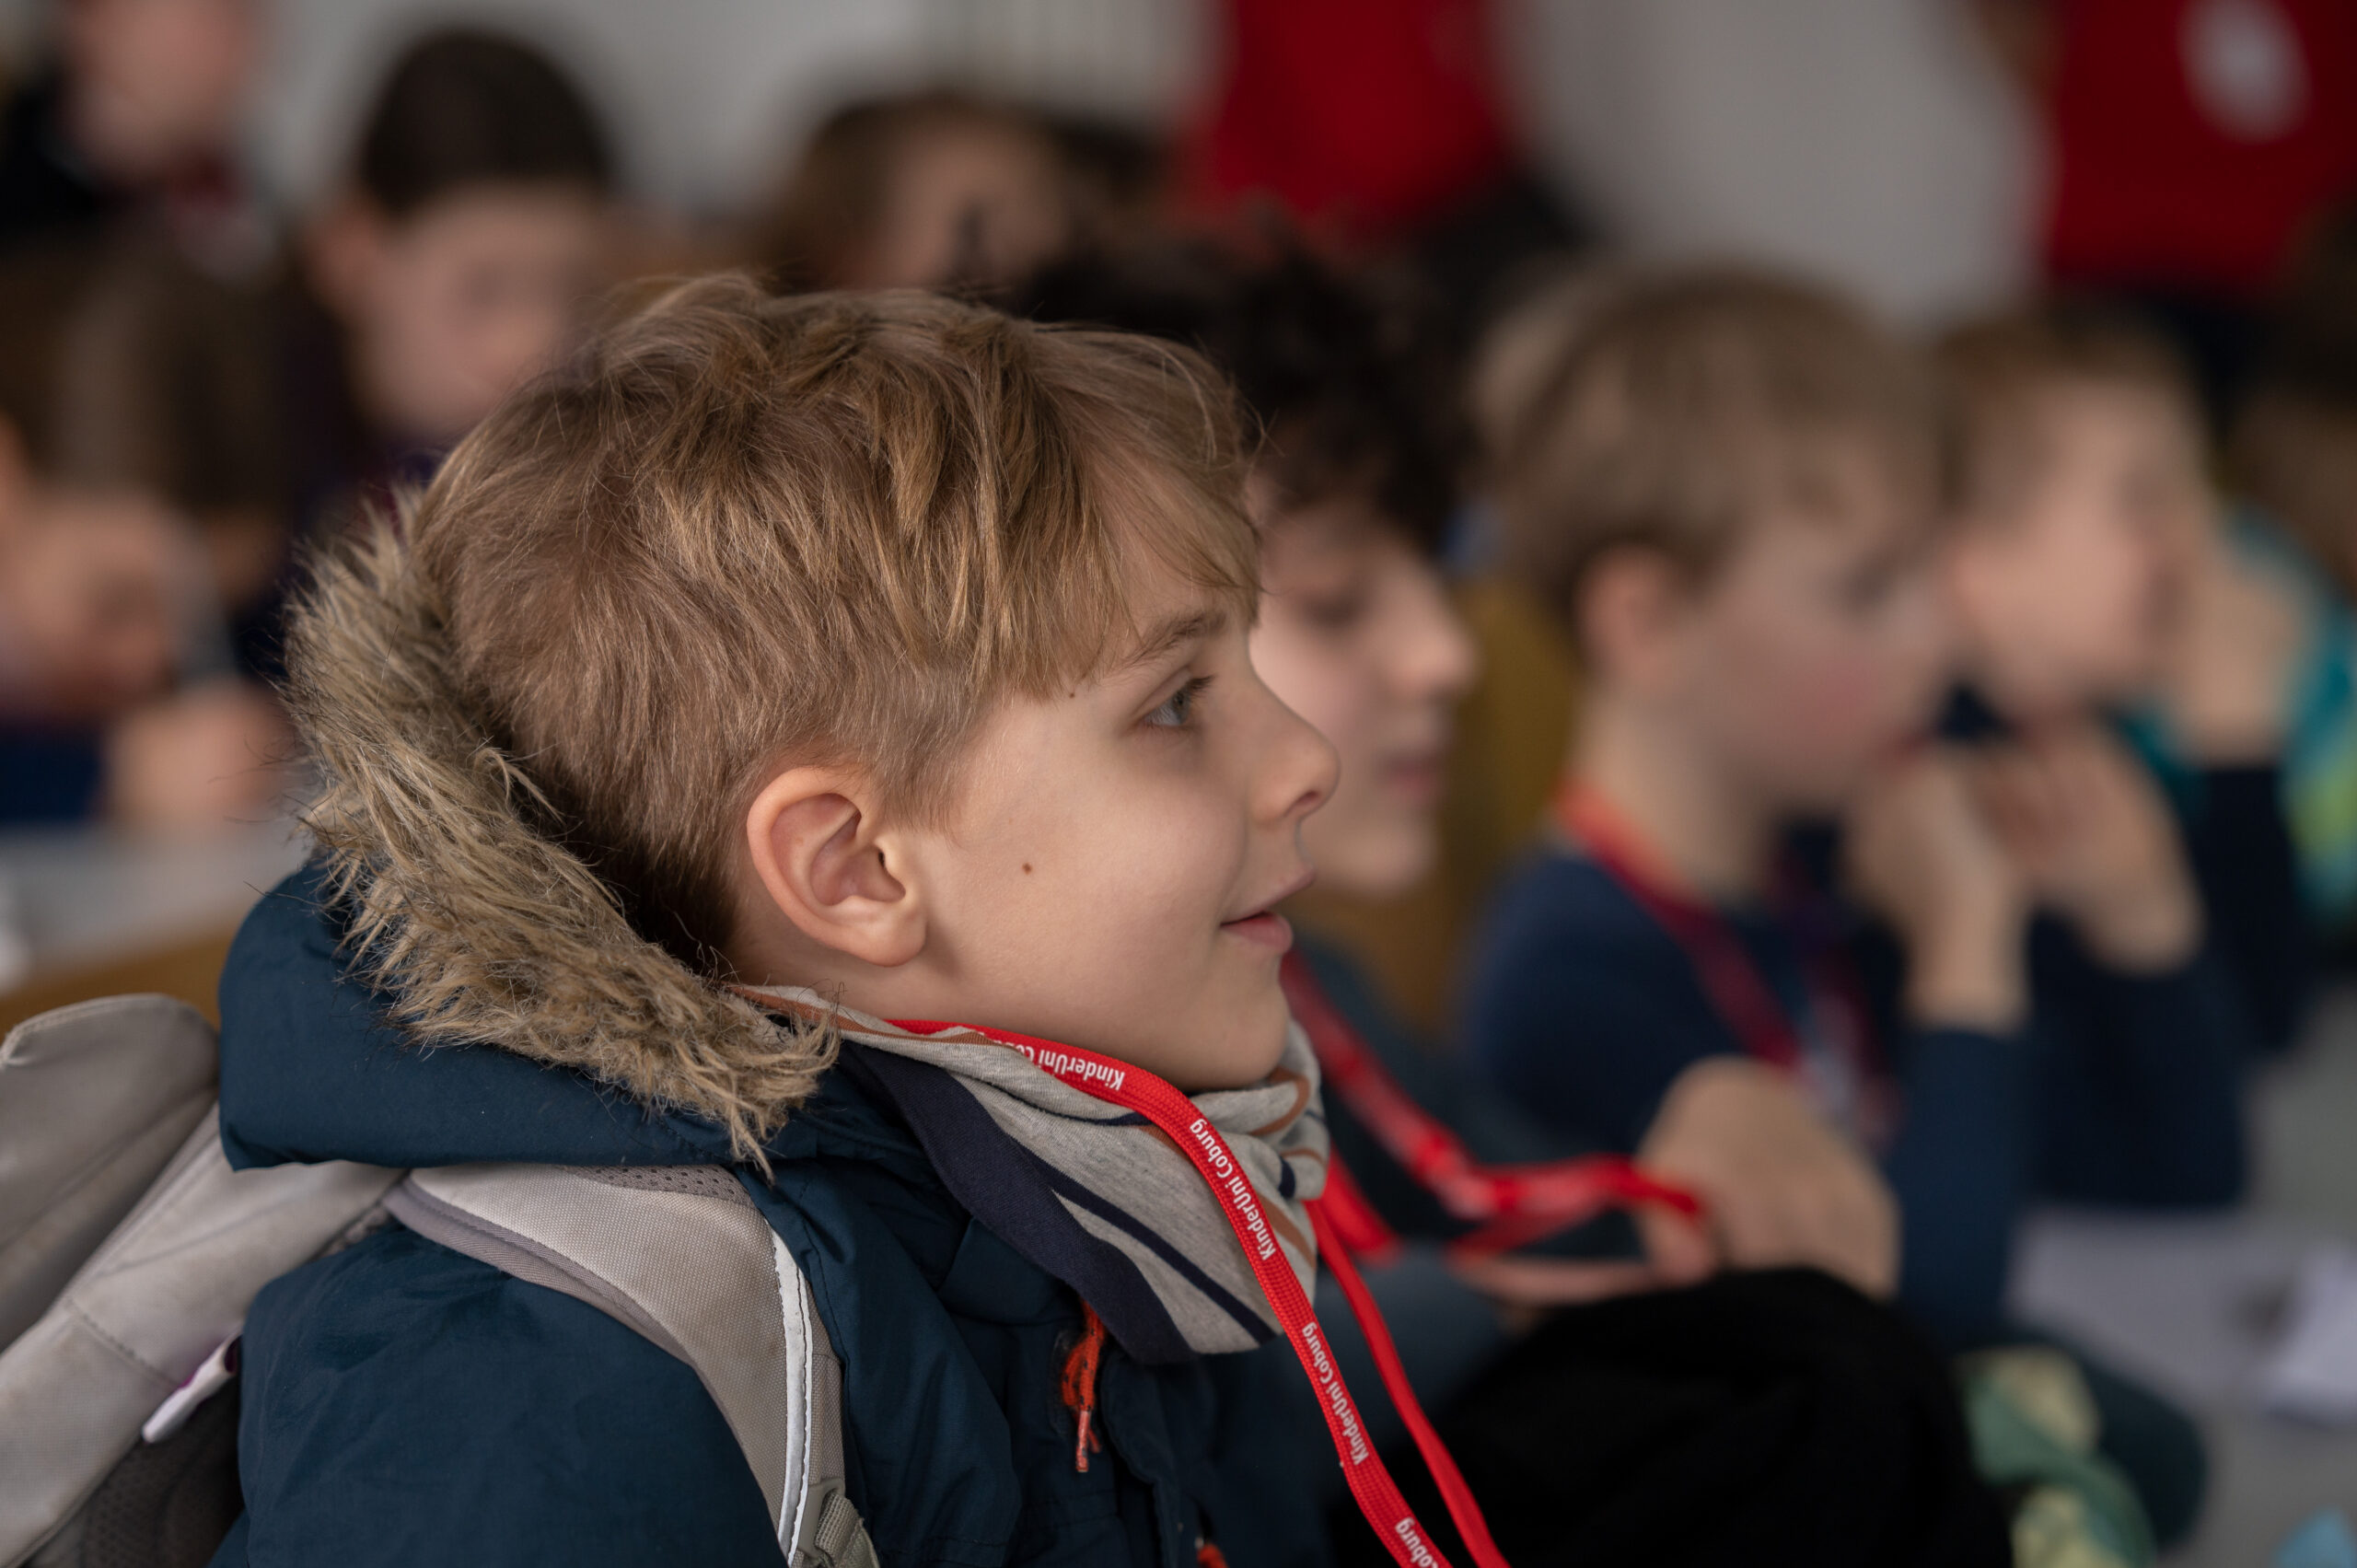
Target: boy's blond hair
1995	373
741	532
1681	408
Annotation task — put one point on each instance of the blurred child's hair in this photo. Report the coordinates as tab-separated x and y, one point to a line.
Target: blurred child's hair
463	107
739	531
1677	409
1995	374
1527	341
2294	446
835	198
2294	456
1346	386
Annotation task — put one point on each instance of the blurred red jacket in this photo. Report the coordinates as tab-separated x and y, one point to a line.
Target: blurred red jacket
1362	117
2192	139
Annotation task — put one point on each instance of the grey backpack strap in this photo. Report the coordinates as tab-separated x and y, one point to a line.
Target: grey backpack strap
683	1256
171	1283
94	1100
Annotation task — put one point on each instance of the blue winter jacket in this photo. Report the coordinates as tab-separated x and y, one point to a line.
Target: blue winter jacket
404	1404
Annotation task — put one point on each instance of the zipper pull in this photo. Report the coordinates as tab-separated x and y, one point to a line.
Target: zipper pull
1079	1387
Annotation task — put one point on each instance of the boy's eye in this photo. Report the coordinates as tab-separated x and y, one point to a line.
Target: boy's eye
1867	589
1178	710
1334	612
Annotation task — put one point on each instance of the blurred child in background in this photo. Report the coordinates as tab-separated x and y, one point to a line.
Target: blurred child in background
134	341
930	190
455	261
138	117
2088	574
1727	492
1354	485
103	607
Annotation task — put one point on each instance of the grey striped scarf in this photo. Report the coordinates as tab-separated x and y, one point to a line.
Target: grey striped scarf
1096	1195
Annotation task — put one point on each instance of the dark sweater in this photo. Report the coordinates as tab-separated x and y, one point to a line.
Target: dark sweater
2249	875
1585	1010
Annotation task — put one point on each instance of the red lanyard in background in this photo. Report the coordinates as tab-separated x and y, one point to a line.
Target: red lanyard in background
1738	991
1134	1088
1509	1205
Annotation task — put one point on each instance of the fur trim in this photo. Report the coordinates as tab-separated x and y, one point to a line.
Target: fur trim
483	929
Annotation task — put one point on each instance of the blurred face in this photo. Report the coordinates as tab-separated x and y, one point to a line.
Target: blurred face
157	85
92	590
1816	649
1357	635
454	306
967	204
2066	594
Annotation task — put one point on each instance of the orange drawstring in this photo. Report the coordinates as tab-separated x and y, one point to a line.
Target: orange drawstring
1080	1385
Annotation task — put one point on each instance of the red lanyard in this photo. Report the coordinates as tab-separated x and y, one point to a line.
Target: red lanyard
1739	993
1134	1088
1509	1205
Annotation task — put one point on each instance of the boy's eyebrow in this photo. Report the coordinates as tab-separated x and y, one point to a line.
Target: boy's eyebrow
1175	632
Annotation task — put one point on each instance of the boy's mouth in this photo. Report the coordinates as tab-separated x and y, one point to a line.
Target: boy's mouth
1268	929
1264	928
1418	777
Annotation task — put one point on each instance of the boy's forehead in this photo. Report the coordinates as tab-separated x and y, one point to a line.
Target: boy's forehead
1169	624
2076	405
1345	520
1857	480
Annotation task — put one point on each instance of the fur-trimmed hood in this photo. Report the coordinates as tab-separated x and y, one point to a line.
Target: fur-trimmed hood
480	926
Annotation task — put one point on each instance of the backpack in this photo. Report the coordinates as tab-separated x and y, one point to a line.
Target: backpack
130	1252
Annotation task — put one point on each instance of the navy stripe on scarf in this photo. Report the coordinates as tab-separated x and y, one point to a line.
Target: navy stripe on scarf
1002	1185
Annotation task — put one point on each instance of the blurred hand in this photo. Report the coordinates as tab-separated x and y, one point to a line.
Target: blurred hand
2085	821
198	761
1921	854
1526	1288
1780	1187
2227	685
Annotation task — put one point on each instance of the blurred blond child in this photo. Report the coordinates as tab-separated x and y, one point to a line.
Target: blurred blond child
1727	493
2090	576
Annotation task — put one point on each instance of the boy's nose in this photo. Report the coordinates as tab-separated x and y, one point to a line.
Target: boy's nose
1301	772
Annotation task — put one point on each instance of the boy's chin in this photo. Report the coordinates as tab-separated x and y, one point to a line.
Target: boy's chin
1245	1051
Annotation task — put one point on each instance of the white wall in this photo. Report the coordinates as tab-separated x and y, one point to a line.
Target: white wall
1871	142
707	97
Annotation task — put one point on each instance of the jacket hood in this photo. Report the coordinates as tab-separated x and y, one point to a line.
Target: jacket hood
470	922
314	1067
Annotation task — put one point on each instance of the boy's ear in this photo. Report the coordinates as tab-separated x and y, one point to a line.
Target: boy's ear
815	842
1629	611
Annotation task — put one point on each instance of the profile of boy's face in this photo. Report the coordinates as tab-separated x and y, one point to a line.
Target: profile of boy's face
2077	571
1358	636
1814	649
1109	872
